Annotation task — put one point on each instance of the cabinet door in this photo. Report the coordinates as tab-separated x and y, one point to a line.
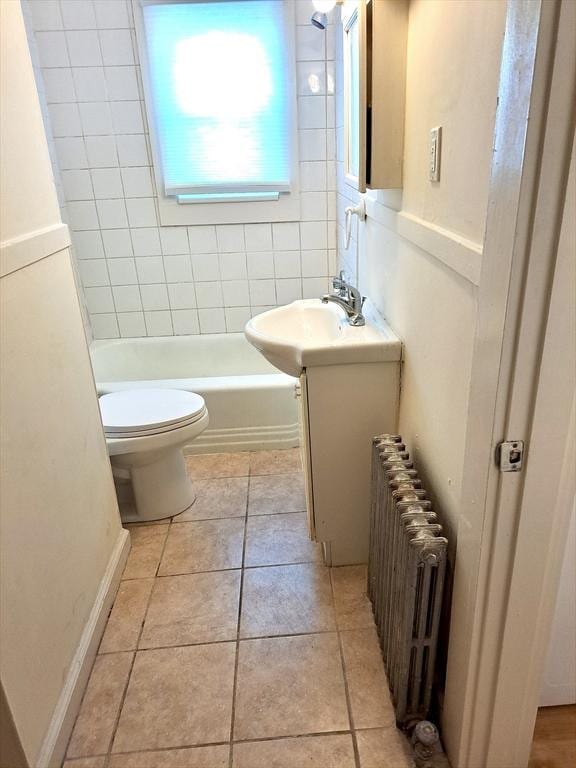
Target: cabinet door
355	95
305	452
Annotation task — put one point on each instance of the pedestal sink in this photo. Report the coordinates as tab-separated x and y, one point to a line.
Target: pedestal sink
310	333
349	392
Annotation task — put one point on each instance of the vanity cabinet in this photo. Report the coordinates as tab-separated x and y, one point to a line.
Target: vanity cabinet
342	407
374	68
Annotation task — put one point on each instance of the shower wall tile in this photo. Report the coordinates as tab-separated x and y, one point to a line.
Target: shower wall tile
140	278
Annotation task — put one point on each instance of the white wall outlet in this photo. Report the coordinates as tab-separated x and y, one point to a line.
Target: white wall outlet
434	153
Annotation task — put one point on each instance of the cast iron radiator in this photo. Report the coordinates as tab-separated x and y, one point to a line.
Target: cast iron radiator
406	567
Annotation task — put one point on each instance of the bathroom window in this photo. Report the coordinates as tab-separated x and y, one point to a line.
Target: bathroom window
221	108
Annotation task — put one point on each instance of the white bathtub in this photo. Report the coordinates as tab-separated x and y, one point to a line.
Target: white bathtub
251	404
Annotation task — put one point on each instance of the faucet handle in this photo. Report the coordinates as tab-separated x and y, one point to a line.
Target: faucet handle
339	283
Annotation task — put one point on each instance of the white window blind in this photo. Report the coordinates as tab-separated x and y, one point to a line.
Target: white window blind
220	97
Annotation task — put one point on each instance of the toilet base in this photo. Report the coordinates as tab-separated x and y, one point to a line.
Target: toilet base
160	482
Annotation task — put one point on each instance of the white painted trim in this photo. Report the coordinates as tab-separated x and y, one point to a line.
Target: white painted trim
33	246
54	745
462	255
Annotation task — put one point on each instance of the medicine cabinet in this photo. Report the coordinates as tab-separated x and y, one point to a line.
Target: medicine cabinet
374	53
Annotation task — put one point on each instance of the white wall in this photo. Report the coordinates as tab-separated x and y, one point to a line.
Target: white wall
59	525
418	254
140	278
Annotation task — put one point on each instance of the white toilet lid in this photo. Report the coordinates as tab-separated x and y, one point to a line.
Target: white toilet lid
140	410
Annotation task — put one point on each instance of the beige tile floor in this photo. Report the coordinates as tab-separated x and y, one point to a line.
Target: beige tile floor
231	645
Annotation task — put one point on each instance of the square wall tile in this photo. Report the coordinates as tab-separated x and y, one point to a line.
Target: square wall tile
314	287
313	235
235	293
258	237
127	117
232	266
46	15
314	263
212	320
71	153
84	48
310	44
185	322
286	236
78	14
117	243
158	323
107	183
178	269
93	272
262	292
88	245
141	212
287	263
99	300
146	241
230	237
288	290
311	78
138	182
89	83
154	296
101	151
202	239
122	83
150	269
77	185
96	118
65	120
82	215
182	296
311	112
52	51
104	326
132	150
116	45
209	295
236	318
313	144
131	324
260	265
313	206
59	85
174	240
122	272
205	266
127	298
112	14
312	176
112	214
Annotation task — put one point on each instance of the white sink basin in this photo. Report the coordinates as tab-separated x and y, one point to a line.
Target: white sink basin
309	333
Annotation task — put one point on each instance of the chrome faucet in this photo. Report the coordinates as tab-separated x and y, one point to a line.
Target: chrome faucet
348	297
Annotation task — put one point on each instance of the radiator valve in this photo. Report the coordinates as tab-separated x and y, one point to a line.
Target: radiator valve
425	740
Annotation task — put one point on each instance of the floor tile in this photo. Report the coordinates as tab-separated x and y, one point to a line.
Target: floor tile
274	494
275	462
286	600
207	545
384	748
194	757
353	609
367	684
210	465
86	762
303	752
147	543
279	539
125	620
196	608
178	697
94	726
226	497
288	686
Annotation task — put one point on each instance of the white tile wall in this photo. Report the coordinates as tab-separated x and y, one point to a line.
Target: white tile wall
140	278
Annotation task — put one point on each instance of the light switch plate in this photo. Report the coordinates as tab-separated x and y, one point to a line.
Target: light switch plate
434	153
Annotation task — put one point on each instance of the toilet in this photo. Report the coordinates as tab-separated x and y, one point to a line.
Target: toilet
146	430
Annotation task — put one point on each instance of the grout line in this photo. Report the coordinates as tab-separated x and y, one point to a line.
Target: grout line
237	655
346	687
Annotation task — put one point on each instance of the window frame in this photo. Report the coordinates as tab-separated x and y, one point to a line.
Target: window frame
174	213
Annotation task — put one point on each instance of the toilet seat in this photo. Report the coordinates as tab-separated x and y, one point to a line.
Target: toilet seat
142	412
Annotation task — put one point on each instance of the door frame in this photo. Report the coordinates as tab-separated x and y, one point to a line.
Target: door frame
509	552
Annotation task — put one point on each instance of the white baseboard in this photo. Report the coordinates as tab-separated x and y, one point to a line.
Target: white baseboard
56	739
245	439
